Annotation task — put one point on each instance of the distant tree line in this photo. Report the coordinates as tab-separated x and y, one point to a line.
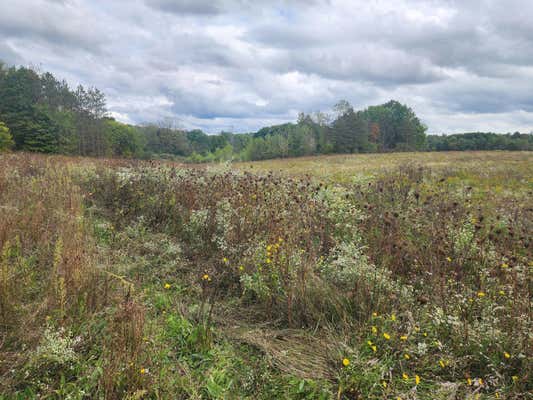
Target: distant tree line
480	141
43	114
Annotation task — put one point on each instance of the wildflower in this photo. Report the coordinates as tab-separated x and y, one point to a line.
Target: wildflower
403	337
417	329
384	384
268	260
497	395
480	294
269	247
370	342
280	239
225	260
514	378
393	317
449	259
502	293
206	277
505	265
442	364
480	381
386	336
374	314
374	348
167	285
143	371
406	356
241	268
345	362
506	355
405	376
425	334
374	330
417	379
469	381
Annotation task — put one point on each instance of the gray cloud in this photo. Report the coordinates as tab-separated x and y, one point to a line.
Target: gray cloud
187	6
241	64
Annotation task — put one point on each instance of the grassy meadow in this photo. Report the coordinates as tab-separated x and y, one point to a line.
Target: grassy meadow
378	276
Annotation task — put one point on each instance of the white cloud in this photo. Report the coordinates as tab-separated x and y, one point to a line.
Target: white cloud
462	65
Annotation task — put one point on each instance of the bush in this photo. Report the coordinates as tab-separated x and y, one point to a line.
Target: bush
6	140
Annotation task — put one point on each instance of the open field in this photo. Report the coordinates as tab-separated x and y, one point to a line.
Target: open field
390	276
479	165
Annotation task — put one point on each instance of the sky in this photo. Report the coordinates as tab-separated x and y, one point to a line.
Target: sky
238	65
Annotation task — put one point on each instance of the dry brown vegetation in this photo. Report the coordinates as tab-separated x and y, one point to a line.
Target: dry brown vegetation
125	279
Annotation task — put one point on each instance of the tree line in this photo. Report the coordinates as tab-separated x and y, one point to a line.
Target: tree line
40	113
480	141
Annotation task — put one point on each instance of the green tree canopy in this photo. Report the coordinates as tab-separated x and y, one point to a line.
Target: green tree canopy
6	140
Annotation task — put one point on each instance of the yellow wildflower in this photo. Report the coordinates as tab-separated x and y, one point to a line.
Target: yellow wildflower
515	378
442	364
417	379
384	384
268	260
480	381
370	342
506	355
403	337
225	260
505	265
241	268
280	239
480	294
406	356
393	317
374	329
374	314
425	334
469	381
405	376
374	348
269	247
345	362
142	371
167	285
502	293
449	259
386	336
205	277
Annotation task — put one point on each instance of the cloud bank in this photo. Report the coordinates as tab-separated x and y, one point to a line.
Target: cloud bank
462	65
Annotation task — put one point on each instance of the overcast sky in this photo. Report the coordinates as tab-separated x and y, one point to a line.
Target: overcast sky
238	65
